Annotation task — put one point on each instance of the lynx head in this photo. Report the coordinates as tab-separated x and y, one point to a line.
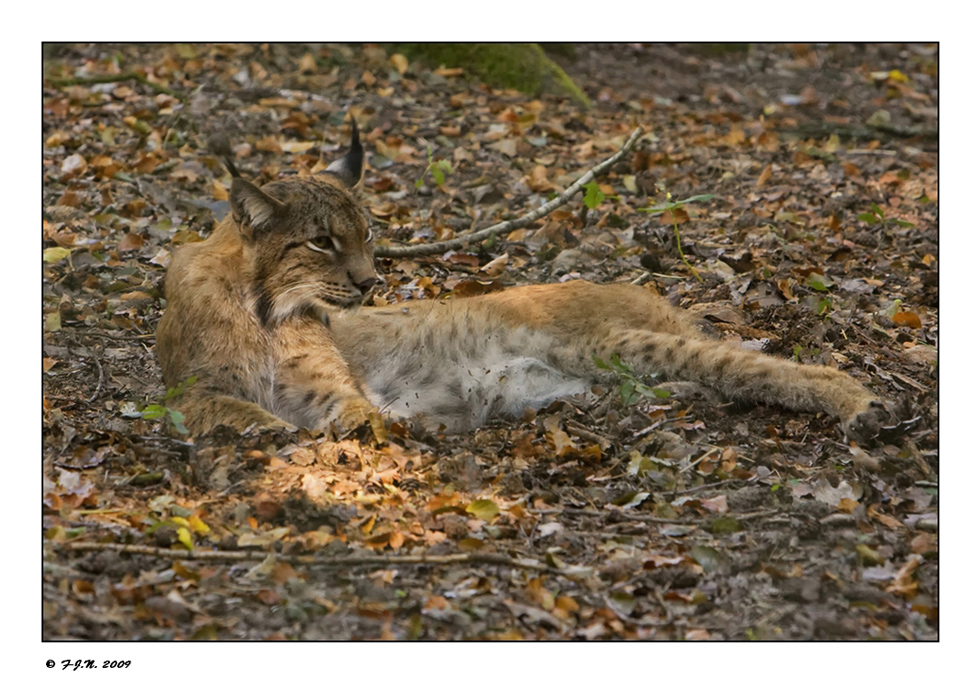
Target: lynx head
309	238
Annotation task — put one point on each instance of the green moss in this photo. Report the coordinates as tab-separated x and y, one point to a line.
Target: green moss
521	66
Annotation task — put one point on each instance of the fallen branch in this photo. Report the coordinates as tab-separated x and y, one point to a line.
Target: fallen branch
114	78
313	560
507	226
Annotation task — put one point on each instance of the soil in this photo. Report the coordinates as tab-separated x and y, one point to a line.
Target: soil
607	516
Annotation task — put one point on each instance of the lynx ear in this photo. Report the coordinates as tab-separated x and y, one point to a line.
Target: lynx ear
351	165
251	206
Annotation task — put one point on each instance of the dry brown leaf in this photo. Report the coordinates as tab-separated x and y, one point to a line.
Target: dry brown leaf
908	319
764	176
538	180
131	242
497	266
307	63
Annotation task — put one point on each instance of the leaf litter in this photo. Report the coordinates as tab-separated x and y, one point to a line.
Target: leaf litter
621	515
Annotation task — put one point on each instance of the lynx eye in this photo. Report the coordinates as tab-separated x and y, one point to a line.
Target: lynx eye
369	236
323	243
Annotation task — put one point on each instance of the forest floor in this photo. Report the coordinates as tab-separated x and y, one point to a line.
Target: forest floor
600	517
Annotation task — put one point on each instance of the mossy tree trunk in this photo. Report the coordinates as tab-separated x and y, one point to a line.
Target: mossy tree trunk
521	66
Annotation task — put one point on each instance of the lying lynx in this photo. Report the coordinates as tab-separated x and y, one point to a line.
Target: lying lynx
265	313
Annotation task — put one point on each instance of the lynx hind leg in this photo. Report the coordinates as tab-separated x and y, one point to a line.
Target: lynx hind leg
203	411
741	374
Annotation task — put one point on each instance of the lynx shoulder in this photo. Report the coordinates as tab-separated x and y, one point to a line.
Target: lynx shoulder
265	313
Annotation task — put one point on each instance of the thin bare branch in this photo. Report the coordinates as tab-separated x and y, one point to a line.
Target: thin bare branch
507	226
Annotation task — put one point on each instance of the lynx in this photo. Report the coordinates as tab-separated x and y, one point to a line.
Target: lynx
266	315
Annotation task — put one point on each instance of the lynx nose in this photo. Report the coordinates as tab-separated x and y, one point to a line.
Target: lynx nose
368	284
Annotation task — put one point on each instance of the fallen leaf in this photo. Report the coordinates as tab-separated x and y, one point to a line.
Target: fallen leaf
74	165
538	180
55	254
307	63
718	504
908	319
764	176
506	146
131	242
556	438
497	266
400	62
483	509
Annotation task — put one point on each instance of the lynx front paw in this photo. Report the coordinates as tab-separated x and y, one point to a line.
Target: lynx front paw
354	413
274	424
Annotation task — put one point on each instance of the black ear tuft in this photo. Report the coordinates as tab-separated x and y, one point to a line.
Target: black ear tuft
220	145
251	206
349	167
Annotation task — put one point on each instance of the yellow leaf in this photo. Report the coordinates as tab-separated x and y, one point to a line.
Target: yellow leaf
55	254
470	543
399	62
832	144
52	322
378	426
184	536
483	509
898	76
198	525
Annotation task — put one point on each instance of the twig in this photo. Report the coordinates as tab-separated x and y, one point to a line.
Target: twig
643	278
98	387
583	433
507	226
684	492
260	555
872	152
710	451
646	277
